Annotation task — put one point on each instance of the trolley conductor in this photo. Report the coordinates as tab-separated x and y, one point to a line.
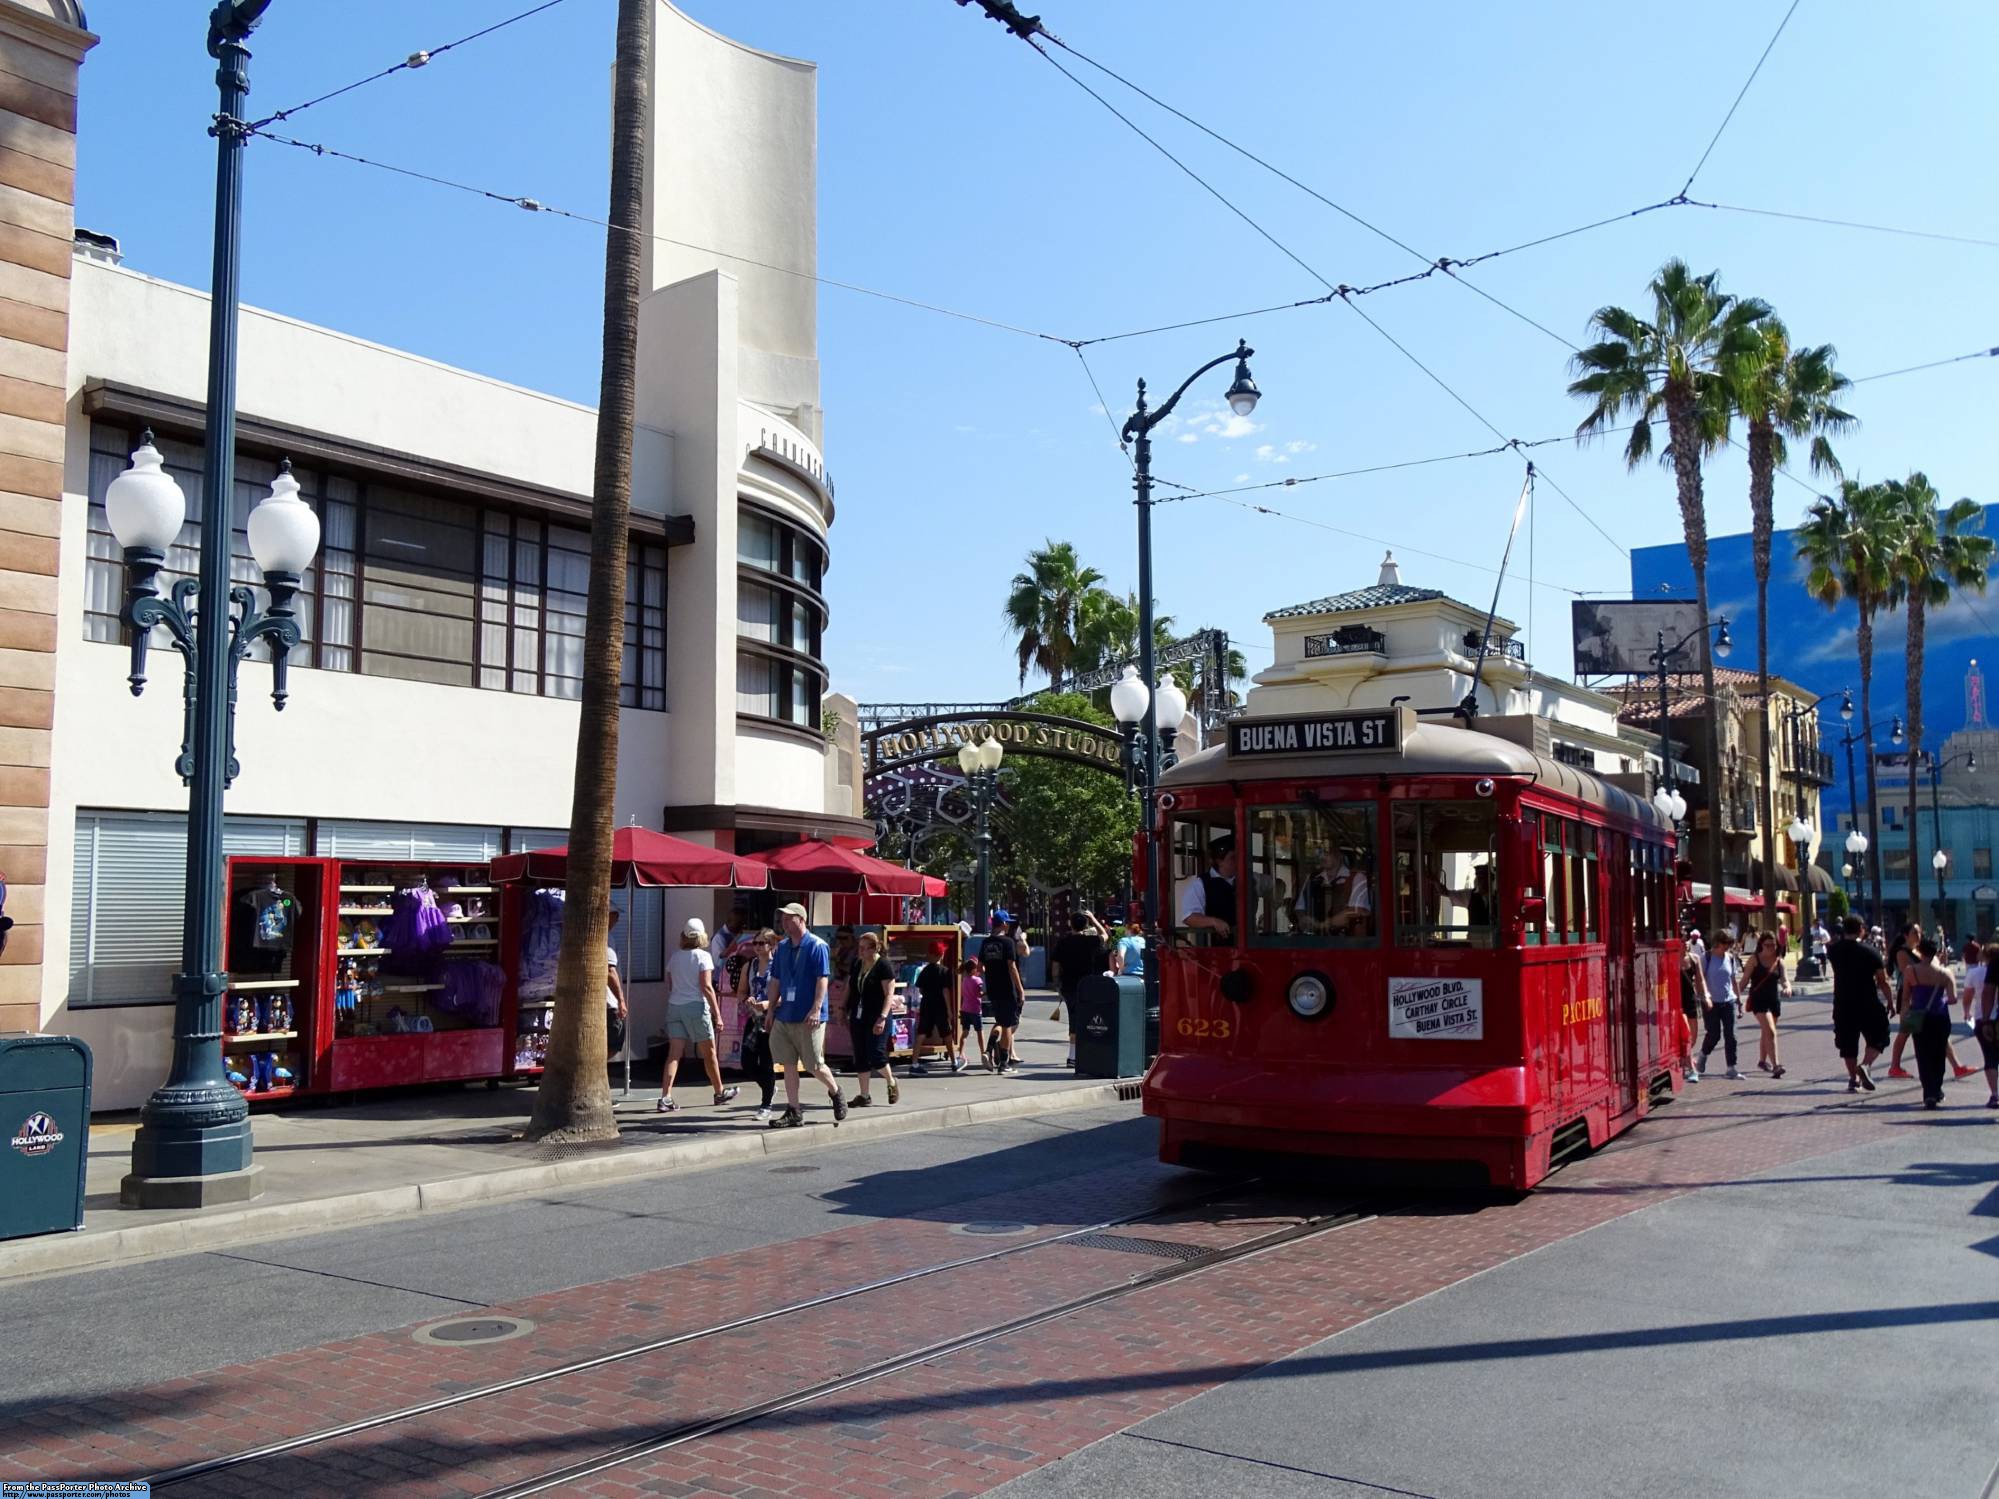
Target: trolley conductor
1206	902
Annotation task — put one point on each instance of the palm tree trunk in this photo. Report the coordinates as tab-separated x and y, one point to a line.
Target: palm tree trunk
1864	637
1682	425
1918	624
574	1100
1762	512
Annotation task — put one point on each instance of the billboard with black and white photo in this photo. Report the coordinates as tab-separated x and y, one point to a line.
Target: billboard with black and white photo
1617	637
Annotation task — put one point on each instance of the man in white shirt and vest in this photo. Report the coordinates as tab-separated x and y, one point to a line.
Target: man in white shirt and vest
1206	902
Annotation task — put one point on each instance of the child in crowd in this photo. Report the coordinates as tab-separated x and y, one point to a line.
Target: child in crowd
971	1007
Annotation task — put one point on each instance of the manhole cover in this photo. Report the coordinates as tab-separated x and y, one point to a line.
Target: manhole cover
995	1230
461	1330
791	1170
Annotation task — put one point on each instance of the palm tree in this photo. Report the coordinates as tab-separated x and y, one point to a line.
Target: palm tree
1782	393
1107	630
574	1099
1849	546
1671	367
1940	554
1042	609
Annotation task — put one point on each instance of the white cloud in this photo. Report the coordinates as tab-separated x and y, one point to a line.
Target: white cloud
1267	453
1188	437
1240	479
1299	445
1230	426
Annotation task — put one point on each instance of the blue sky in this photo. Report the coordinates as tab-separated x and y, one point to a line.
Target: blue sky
958	168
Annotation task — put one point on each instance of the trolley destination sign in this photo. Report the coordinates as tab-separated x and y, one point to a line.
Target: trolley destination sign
1372	732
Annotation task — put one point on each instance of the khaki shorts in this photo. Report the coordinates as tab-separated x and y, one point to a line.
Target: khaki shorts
689	1023
798	1041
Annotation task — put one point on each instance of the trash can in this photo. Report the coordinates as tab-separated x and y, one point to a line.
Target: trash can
1110	1027
45	1123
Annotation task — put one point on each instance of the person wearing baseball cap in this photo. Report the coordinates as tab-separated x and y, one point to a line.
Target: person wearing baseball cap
801	970
693	1014
936	1016
1206	902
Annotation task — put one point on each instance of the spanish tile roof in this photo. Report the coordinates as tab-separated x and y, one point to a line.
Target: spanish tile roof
1640	695
1378	596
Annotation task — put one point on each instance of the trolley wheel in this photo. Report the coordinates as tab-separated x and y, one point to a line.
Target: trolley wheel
492	1084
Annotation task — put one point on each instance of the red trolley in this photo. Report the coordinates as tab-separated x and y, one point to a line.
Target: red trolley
1443	947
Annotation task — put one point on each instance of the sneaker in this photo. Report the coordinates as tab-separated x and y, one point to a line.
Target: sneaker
839	1109
1072	1060
665	1105
766	1114
919	1069
1693	1075
1866	1079
957	1065
1762	1064
1992	1102
894	1091
726	1095
1776	1072
1899	1072
1962	1071
1735	1074
789	1119
1853	1085
861	1101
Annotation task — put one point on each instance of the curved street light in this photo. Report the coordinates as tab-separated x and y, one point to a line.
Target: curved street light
980	761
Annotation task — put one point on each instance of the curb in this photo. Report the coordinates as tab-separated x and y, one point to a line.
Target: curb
57	1254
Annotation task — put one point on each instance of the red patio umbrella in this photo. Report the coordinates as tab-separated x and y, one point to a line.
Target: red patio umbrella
639	856
815	865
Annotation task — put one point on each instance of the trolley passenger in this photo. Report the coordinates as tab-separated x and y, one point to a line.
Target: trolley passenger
1207	901
1766	986
1336	899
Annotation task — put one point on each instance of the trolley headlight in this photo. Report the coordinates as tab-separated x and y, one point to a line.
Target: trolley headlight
1310	996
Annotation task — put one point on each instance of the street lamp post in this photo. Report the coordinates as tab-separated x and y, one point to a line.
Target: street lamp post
981	762
1242	396
1939	860
1802	833
1847	741
1667	799
1795	717
193	1145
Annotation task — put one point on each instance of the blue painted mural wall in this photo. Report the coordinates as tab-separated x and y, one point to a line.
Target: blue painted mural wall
1814	646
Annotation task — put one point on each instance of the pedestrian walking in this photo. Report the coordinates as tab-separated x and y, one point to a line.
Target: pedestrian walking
1000	964
1901	958
755	999
618	1014
1860	1001
1931	991
871	987
1693	997
1766	985
801	972
971	1009
1723	975
693	1014
1083	953
936	1014
1981	1008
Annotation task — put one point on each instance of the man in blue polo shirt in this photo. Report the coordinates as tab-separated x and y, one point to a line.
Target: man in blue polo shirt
799	972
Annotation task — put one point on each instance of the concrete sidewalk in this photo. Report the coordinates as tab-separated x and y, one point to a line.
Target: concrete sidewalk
330	1166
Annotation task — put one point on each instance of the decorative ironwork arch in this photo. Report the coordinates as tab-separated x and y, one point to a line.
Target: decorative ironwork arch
938	736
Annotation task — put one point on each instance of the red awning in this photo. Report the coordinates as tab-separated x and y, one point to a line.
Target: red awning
1735	898
640	856
813	865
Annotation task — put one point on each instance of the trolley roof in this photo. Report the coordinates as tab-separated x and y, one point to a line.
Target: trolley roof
1427	749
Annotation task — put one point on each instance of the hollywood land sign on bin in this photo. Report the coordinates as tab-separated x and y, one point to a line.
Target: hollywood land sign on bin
1432	1009
37	1135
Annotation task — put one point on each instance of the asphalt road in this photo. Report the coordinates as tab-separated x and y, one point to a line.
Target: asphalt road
97	1332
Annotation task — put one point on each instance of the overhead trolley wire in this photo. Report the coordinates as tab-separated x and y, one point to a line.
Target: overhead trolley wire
1809	218
1932	365
1740	95
413	61
534	205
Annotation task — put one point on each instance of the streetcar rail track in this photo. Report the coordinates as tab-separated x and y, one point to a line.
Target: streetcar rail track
681	1434
205	1467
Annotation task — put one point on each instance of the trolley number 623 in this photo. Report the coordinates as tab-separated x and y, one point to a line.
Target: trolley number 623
1202	1028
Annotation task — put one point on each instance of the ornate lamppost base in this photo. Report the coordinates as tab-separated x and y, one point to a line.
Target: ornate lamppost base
137	1191
193	1150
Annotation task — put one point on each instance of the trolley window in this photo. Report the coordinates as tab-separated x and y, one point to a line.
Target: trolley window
1553	888
1446	862
1312	875
1205	895
1585	911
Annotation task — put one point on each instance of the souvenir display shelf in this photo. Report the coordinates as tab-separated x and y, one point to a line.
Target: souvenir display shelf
527	1019
387	1029
907	949
273	999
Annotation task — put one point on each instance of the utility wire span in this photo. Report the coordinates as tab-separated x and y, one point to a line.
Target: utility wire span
1934	364
535	205
1741	94
1217	193
1117	432
413	61
1808	218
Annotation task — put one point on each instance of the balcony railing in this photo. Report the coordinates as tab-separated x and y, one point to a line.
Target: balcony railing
1348	640
1809	766
1511	650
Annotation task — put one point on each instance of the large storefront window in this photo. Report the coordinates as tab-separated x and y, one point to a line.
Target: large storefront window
406	585
780	620
1312	875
